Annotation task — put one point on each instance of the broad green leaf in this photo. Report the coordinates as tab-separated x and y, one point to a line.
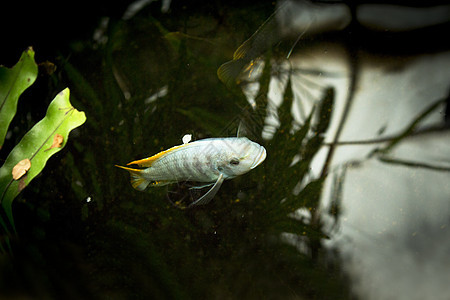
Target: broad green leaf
43	140
13	82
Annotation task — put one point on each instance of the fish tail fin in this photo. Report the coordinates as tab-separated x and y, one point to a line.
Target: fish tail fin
138	181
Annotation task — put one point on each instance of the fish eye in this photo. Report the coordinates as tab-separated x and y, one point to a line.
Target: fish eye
234	161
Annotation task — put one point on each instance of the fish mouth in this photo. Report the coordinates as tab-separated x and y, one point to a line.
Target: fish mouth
259	158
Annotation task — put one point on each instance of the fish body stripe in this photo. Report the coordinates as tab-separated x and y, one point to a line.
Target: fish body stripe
185	164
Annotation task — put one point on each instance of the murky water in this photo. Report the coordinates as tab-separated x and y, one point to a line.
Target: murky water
351	201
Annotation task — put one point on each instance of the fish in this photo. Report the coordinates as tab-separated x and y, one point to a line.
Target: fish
248	56
209	161
291	19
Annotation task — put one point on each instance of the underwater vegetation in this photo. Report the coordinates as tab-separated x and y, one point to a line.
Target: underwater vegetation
83	231
27	159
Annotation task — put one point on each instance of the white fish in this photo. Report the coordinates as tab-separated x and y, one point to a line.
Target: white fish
209	160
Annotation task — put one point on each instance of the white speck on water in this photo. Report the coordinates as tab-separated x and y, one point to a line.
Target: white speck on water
186	138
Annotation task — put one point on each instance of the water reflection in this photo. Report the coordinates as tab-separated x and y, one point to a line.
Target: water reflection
385	200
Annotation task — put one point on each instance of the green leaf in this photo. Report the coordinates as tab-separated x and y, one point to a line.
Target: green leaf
38	145
13	82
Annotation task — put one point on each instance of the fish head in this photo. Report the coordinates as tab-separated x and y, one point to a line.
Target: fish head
239	156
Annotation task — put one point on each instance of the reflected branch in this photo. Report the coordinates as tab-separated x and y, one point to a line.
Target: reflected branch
353	64
411	128
431	129
407	163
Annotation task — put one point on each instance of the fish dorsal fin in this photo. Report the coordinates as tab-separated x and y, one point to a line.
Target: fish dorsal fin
243	49
260	36
242	130
147	162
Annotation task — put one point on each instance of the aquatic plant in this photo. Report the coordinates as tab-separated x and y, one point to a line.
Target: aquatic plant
46	138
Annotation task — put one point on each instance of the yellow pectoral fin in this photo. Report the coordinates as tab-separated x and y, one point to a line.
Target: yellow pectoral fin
161	182
147	162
